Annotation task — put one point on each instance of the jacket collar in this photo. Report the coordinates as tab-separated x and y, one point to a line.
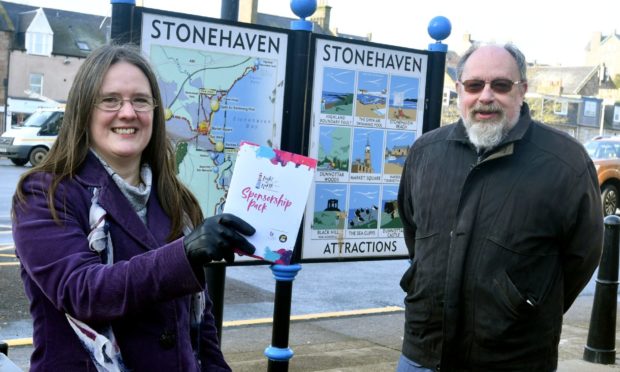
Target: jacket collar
111	199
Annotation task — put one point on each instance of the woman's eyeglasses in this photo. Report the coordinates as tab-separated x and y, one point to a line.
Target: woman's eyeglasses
497	85
115	103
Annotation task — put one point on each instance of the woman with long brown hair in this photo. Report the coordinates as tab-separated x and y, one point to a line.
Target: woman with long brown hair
112	244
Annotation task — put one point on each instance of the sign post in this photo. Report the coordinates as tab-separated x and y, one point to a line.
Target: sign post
279	353
439	28
216	273
122	11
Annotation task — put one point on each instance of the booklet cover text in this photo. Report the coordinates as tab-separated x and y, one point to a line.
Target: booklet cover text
269	189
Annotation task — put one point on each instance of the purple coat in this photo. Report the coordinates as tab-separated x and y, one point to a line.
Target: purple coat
145	295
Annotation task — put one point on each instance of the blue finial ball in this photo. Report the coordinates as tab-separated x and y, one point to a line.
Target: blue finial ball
439	28
303	8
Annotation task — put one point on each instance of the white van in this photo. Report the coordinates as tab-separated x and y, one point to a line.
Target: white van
32	141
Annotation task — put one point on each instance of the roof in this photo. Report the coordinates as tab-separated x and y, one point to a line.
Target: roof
285	22
610	37
451	72
72	27
571	80
24	19
69	28
351	36
603	39
5	21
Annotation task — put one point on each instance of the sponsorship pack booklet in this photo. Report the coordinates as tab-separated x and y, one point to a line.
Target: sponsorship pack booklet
269	189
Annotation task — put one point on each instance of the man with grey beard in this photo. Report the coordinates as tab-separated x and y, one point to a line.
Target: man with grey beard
504	226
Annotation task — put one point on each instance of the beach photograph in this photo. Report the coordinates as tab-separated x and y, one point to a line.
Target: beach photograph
371	95
403	98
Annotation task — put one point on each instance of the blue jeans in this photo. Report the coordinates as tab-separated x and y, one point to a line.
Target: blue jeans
407	365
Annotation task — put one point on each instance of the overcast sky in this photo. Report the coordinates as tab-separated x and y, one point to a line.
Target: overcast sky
553	32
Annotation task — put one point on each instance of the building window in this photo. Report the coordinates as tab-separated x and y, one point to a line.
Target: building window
39	43
36	83
589	109
448	97
617	114
83	46
560	108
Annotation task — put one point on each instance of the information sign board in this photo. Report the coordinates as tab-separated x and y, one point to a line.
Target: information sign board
367	109
221	84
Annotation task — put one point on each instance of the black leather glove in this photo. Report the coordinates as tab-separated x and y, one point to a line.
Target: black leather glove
217	238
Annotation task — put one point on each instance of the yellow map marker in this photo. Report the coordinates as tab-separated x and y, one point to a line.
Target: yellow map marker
203	127
215	104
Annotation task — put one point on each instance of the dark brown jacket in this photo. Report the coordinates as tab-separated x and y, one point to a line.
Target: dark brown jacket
501	245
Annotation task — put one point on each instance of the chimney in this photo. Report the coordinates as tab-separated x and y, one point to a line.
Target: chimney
466	42
593	50
321	15
595	41
602	73
248	10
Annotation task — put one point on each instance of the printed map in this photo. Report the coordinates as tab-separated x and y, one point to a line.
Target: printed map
212	102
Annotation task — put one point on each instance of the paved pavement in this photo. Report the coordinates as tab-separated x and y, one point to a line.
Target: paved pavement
360	342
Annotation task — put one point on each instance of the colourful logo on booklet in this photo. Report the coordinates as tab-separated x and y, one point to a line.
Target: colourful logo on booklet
281	256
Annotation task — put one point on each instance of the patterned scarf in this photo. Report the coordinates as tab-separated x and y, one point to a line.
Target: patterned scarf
102	347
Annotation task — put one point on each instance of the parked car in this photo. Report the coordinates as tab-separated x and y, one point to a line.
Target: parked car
31	141
605	153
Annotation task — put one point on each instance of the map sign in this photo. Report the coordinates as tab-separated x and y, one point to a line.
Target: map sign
220	85
367	110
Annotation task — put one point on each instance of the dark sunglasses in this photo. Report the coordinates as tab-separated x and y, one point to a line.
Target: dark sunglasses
497	85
